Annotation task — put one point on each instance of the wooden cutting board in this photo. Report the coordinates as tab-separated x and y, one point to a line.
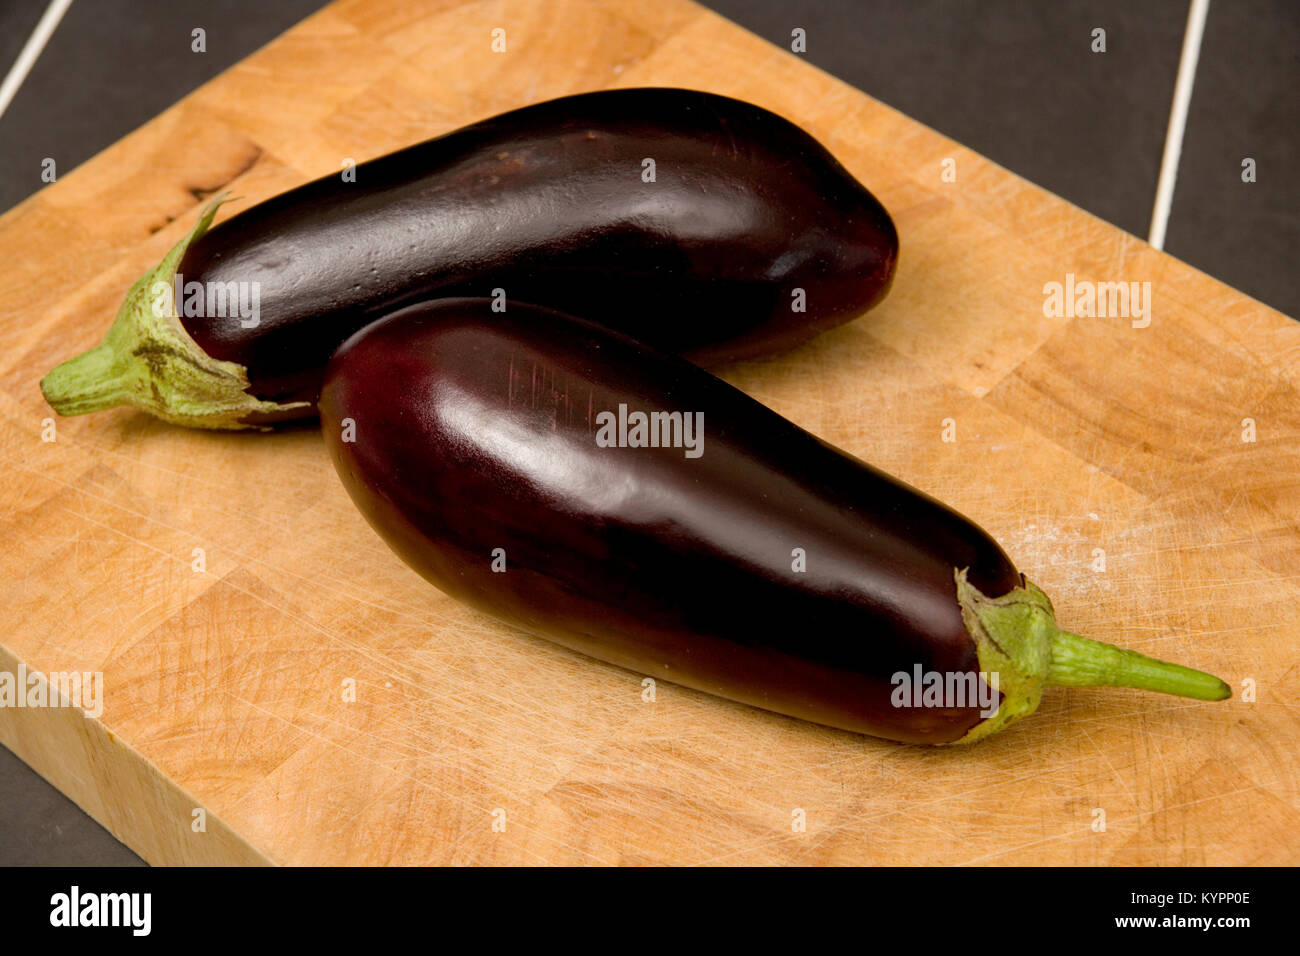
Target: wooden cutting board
226	735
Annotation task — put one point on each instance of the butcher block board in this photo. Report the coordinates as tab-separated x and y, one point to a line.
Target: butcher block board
227	732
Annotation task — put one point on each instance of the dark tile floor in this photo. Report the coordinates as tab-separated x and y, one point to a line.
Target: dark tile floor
41	827
112	65
1013	79
17	20
1016	82
1246	104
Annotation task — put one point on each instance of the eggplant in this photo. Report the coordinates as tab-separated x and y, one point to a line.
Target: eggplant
701	224
711	543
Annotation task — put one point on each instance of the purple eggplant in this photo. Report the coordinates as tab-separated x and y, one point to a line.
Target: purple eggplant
698	223
627	504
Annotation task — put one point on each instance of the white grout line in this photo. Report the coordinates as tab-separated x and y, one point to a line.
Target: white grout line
31	51
1196	14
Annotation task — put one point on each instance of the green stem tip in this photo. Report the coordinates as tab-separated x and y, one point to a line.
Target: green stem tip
1017	638
148	360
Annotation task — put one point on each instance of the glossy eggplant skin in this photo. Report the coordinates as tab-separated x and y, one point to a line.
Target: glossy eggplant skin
549	204
677	567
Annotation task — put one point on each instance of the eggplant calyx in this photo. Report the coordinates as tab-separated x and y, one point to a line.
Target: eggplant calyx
1021	647
148	360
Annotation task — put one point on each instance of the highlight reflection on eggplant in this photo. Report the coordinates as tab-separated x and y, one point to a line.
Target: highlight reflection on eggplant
704	225
504	470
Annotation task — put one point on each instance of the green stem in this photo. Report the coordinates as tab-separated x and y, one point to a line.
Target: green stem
1081	662
1017	639
91	382
148	360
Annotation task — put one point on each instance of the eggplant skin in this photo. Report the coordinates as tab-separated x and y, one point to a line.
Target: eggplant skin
549	204
473	431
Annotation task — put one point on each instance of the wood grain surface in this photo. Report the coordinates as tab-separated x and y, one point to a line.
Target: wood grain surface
224	688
